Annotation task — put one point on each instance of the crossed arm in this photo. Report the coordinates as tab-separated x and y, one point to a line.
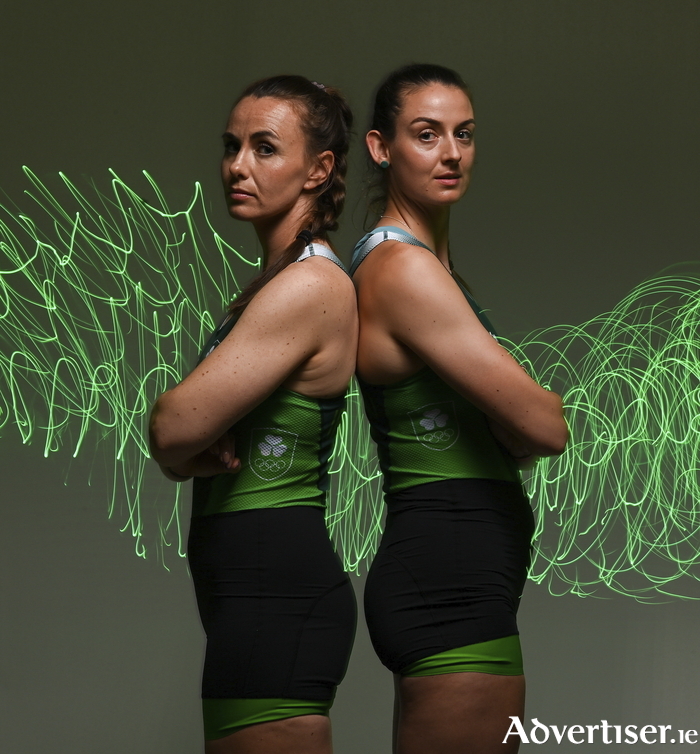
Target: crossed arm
276	334
416	301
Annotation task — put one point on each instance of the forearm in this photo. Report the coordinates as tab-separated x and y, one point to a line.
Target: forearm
553	429
210	462
538	430
172	474
184	461
513	445
174	440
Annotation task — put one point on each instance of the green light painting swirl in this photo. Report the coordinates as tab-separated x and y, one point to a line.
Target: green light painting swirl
621	506
101	308
104	299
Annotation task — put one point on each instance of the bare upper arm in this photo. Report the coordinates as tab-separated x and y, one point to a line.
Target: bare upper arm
282	328
422	307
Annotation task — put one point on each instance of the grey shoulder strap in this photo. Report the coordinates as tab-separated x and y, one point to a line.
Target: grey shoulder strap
319	250
379	236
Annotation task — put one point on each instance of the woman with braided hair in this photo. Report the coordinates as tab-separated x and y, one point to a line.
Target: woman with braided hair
254	425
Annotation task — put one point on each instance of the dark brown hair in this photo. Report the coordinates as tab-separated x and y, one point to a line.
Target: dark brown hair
326	121
388	101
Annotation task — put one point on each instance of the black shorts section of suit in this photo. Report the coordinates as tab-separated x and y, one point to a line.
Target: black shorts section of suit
278	610
450	568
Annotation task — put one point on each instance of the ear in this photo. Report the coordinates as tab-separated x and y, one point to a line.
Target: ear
320	171
378	148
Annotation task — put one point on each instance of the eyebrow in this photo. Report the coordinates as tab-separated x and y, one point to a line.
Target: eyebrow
256	135
433	122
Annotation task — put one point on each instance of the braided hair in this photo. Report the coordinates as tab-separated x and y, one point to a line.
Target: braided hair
326	120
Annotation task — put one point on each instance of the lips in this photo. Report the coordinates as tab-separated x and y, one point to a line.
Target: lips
235	192
448	179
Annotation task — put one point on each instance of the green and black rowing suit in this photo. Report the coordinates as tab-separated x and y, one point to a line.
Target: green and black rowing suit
275	603
444	588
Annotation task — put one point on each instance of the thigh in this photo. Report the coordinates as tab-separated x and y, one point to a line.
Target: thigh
460	712
277	608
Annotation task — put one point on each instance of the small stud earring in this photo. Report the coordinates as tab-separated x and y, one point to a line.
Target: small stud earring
384	164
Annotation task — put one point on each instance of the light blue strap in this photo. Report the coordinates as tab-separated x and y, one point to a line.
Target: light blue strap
379	235
319	250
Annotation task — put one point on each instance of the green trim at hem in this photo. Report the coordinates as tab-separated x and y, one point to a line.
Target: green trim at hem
222	717
497	657
257	507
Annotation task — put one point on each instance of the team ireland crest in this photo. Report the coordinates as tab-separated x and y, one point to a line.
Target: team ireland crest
271	452
435	425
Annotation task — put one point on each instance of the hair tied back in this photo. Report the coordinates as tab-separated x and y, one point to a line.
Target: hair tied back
326	122
306	237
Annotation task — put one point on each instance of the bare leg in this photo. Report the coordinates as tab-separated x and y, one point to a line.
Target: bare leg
466	713
307	734
397	713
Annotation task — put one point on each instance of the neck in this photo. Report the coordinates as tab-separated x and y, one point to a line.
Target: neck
431	226
276	234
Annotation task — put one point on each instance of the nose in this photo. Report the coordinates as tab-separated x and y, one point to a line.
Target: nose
452	152
238	164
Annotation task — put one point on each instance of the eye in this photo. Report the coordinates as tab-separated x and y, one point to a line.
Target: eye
426	136
265	149
231	147
465	134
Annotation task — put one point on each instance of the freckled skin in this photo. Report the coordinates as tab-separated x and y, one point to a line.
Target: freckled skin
270	179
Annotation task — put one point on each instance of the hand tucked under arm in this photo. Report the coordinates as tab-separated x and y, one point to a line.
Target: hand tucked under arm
225	450
218	458
514	445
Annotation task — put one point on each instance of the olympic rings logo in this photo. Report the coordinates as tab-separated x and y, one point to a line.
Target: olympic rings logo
440	435
270	464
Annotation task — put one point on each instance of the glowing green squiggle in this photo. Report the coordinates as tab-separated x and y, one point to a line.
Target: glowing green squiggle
104	306
100	311
621	506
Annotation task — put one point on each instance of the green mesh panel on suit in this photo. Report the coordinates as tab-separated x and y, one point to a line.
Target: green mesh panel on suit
284	445
425	432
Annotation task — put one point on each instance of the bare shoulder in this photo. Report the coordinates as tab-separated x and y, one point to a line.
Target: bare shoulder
302	290
399	274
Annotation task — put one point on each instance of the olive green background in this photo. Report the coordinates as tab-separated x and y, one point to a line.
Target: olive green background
586	183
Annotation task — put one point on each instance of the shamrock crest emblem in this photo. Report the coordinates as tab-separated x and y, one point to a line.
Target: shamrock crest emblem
272	452
433	418
272	444
435	425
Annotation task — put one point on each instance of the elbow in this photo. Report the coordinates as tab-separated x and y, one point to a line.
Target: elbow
161	451
162	433
563	439
554	443
556	432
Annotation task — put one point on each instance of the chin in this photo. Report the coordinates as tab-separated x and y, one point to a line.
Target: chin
240	213
451	197
445	200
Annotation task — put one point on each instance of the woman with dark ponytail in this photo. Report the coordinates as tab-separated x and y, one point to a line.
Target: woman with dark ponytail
254	424
453	416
